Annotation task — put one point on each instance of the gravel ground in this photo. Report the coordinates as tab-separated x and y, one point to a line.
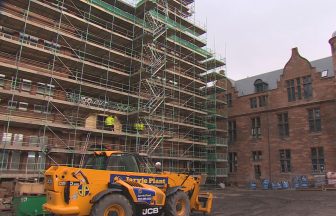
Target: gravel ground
237	202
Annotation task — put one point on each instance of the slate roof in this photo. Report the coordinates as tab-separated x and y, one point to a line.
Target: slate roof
246	86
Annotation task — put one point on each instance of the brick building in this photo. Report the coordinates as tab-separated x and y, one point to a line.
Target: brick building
286	122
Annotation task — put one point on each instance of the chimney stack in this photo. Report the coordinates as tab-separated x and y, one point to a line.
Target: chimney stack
332	42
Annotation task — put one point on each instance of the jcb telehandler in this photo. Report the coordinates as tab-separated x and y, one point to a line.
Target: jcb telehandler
111	184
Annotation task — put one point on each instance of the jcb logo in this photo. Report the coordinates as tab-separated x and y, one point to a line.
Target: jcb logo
83	190
150	211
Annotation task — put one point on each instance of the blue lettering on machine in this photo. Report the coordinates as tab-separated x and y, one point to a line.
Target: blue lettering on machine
150	180
144	195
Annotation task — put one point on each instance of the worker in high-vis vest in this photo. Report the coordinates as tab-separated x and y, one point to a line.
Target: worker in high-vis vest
139	126
109	123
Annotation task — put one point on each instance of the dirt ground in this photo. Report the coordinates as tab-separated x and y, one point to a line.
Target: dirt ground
237	202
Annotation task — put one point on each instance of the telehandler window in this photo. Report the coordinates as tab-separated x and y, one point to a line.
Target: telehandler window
123	162
97	162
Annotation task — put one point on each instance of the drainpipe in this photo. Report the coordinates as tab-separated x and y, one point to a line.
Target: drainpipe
268	139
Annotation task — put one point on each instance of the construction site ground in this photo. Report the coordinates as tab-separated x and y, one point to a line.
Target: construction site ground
241	202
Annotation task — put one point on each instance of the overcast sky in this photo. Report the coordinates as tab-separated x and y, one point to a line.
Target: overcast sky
257	35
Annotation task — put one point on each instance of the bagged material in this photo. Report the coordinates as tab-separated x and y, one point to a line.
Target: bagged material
265	184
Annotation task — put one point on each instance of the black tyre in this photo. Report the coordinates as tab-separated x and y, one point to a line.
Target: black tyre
112	205
177	205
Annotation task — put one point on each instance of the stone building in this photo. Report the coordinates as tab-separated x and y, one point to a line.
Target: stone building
283	123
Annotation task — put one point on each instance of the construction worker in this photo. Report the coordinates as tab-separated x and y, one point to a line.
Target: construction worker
139	127
109	123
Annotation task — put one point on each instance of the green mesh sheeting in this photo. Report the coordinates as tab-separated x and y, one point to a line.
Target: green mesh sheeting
174	24
118	12
171	23
197	49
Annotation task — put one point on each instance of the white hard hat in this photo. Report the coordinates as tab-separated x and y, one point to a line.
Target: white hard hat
157	164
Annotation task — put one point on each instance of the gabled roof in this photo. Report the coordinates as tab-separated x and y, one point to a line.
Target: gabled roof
246	86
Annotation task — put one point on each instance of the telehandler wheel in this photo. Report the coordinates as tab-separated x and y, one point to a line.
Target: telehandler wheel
112	205
177	205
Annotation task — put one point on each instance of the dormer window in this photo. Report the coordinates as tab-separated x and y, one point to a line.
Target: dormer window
324	73
260	86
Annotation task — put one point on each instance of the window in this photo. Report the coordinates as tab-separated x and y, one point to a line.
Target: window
6	138
317	156
23	106
17	105
26	85
324	73
33	140
45	89
285	160
256	127
4	154
229	100
290	90
2	80
233	162
42	109
41	161
12	104
256	155
257	171
48	44
260	86
33	39
298	87
37	108
253	102
123	162
40	88
283	125
232	131
17	140
307	87
314	118
24	36
50	90
97	162
15	83
305	84
43	140
262	100
31	161
15	160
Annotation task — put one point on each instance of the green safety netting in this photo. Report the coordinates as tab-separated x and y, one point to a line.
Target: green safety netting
139	21
191	46
118	12
174	24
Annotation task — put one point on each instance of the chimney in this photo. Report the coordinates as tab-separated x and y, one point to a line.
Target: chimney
332	42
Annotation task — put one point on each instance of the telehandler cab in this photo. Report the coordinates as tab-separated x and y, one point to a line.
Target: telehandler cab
111	184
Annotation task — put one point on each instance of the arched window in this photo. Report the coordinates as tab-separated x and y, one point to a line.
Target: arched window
260	86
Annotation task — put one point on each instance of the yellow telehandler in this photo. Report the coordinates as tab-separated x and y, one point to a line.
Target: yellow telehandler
111	184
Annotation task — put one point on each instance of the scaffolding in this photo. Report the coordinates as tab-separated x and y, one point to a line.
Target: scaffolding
67	65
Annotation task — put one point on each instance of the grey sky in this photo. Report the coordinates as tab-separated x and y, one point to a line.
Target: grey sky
258	34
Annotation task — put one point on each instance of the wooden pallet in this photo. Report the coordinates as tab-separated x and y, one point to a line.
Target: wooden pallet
310	189
329	187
